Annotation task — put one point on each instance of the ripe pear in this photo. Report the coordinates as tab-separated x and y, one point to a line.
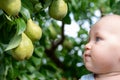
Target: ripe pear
11	7
58	9
33	31
24	49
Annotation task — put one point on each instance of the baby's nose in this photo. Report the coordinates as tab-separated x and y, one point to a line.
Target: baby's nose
88	46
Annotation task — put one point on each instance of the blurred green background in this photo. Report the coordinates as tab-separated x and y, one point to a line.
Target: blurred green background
57	55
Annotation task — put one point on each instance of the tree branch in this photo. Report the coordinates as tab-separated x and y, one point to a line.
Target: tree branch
59	41
51	51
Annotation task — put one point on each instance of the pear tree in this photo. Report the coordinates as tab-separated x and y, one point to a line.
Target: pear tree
34	44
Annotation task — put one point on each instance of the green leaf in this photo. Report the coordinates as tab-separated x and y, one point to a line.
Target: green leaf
14	42
24	77
2	48
2	70
112	2
21	26
2	21
39	75
30	67
36	61
39	51
28	4
67	19
46	3
116	8
25	13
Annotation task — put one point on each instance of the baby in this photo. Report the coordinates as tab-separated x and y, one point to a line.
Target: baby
102	52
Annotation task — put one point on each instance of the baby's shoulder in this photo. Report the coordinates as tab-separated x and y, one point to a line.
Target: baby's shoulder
87	77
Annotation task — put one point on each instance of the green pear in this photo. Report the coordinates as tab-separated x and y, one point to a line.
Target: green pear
33	31
24	49
58	9
53	33
11	7
68	44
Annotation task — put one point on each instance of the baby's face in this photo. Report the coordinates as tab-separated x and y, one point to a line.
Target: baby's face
102	52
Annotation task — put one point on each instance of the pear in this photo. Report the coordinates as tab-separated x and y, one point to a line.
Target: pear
11	7
33	31
68	44
58	9
24	49
53	33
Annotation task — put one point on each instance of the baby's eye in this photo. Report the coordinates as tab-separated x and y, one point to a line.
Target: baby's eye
97	39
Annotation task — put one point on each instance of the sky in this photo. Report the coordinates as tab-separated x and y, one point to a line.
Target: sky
72	29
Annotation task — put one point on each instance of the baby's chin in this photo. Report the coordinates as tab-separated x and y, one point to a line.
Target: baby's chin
96	71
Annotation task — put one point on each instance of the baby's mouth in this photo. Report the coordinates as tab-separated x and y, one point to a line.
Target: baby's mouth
87	56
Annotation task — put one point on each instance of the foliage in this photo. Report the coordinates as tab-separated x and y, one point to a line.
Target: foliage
52	59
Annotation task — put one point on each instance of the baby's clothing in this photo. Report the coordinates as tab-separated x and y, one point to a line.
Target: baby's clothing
87	77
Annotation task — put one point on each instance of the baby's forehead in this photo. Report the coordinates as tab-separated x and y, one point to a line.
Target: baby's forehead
110	19
110	23
107	22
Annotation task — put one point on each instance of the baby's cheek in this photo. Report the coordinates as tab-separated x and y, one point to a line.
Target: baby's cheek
100	56
114	51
